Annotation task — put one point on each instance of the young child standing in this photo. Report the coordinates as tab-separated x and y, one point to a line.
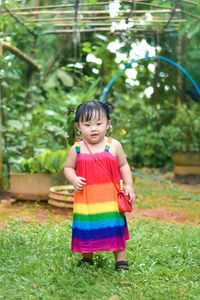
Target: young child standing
97	222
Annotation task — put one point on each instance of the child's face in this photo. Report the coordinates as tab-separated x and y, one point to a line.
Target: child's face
94	130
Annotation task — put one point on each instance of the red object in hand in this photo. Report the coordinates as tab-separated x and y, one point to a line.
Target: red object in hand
124	202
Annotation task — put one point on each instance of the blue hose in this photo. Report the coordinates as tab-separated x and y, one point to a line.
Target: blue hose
145	58
188	196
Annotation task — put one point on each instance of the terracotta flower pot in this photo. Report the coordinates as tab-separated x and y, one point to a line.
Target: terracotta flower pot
186	162
62	196
31	186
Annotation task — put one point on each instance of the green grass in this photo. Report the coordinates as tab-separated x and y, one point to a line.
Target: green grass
36	263
151	194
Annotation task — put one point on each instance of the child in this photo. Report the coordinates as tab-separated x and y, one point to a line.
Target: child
97	223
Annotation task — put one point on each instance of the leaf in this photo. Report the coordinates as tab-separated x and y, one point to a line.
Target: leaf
15	124
43	157
56	163
32	166
49	112
193	29
53	128
65	78
51	82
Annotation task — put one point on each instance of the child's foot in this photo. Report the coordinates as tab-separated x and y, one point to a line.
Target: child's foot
121	265
85	260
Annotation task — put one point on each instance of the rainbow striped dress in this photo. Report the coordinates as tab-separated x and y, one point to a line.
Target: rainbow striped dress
97	224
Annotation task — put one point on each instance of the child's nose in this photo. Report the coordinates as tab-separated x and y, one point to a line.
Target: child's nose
93	127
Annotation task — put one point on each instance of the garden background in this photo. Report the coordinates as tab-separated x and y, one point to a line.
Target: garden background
45	74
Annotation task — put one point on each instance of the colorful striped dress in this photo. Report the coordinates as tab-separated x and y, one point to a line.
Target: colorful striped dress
97	224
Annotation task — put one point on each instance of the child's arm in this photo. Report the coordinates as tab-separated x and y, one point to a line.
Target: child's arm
125	171
70	171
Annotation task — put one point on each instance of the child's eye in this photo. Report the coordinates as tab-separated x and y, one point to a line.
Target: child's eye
99	123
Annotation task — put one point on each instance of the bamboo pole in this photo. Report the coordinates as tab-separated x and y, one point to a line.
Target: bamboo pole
58	31
148	4
89	12
68	5
19	21
110	23
190	2
96	18
57	6
21	55
191	15
171	16
72	19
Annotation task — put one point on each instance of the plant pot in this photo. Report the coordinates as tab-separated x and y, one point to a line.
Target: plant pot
186	163
62	196
31	186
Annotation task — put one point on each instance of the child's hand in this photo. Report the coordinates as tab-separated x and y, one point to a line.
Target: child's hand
130	192
78	183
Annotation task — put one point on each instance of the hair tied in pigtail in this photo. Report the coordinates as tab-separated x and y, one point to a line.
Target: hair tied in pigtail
70	110
109	106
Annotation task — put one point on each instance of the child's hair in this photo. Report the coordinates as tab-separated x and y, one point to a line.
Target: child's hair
86	110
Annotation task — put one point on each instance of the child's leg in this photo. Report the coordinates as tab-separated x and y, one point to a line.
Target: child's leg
87	258
121	263
120	255
88	255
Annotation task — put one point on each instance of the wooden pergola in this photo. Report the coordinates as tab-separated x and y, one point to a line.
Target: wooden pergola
139	16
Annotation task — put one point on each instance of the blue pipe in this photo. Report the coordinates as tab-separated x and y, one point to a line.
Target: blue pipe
145	58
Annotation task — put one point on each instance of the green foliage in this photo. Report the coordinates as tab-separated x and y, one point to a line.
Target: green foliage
35	105
185	127
36	262
59	74
46	162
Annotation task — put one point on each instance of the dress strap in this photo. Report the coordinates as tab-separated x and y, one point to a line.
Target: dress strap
77	145
108	143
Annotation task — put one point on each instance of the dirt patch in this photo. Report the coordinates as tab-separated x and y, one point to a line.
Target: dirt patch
30	211
40	213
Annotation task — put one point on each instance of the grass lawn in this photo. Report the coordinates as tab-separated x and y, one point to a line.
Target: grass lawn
153	195
36	263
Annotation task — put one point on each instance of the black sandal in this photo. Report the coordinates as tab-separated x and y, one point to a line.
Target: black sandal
121	265
85	260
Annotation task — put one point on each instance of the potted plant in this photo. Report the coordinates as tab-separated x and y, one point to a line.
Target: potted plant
185	132
32	178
